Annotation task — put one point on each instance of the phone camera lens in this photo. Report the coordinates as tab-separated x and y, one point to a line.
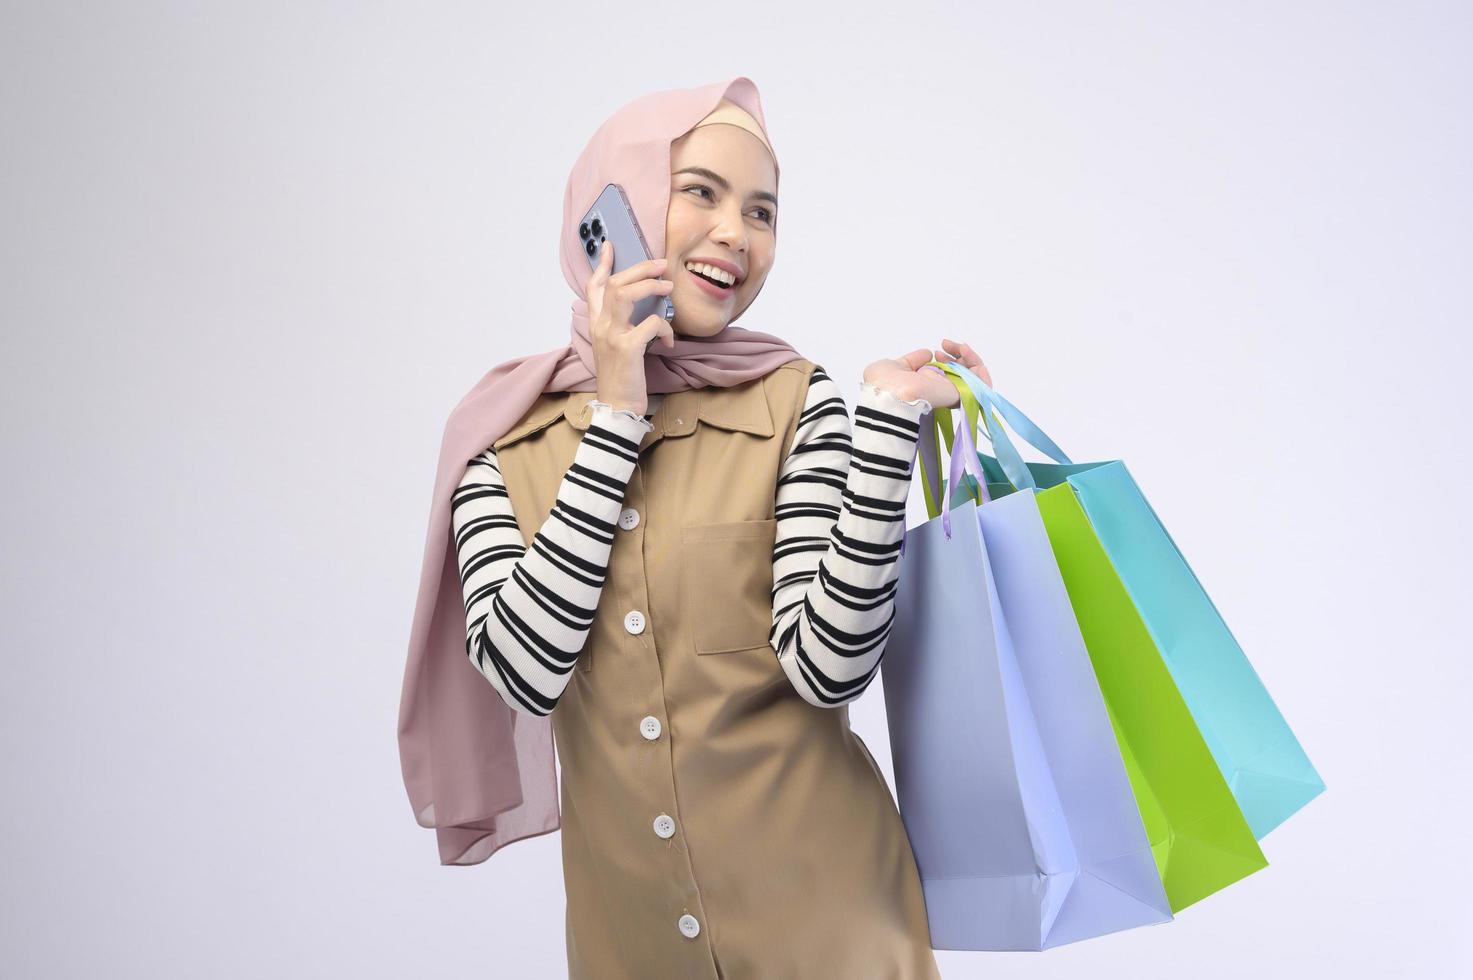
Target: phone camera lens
583	229
590	248
598	227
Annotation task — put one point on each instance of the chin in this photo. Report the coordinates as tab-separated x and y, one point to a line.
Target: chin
702	329
704	320
707	325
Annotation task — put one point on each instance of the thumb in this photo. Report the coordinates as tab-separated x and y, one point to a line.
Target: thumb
917	358
654	326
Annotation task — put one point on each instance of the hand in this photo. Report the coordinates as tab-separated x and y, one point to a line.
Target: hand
905	378
619	346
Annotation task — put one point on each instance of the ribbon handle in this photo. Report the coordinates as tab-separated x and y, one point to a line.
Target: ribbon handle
964	454
1008	456
932	485
962	450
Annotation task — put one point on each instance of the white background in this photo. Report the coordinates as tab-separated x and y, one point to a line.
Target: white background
251	255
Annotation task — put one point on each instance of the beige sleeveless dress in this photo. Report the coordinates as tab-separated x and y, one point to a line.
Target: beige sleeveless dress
714	823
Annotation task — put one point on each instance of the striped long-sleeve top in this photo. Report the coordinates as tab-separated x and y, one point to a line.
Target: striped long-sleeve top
840	510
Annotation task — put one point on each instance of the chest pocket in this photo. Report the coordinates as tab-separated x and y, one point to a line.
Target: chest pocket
726	584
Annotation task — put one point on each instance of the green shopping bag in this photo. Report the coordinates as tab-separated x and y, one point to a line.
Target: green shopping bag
1197	831
1199	836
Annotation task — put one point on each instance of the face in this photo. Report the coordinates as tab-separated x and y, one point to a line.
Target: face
723	207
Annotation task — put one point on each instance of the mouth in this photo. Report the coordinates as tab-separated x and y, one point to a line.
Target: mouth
711	285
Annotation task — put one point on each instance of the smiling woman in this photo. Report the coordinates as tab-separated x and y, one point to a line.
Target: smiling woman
682	559
721	226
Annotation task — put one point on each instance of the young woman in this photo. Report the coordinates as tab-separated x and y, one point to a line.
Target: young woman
666	542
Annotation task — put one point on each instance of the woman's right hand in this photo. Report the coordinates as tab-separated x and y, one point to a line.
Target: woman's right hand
619	346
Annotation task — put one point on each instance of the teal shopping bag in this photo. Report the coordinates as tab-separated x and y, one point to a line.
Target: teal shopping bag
1268	771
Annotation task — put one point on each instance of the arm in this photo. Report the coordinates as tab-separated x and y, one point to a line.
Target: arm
840	515
529	611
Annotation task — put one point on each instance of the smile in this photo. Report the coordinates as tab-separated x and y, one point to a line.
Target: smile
710	288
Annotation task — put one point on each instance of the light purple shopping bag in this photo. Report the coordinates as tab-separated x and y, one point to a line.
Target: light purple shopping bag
1009	777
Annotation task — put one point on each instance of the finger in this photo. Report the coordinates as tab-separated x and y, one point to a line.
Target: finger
605	261
647	269
636	291
973	360
916	358
968	356
945	357
651	327
943	396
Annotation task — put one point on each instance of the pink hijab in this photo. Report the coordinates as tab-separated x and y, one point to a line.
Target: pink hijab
478	772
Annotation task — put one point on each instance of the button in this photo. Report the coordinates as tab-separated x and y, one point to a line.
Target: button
665	826
689	927
649	727
628	518
634	621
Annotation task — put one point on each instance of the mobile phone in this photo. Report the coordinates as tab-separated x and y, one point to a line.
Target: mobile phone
612	218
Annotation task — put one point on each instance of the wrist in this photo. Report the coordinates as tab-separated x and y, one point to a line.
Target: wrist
620	404
899	389
902	392
912	401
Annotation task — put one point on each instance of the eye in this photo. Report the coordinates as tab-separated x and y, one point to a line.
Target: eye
767	214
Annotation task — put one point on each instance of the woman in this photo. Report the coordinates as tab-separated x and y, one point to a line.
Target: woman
709	583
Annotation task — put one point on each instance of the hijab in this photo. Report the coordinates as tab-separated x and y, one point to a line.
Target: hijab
477	771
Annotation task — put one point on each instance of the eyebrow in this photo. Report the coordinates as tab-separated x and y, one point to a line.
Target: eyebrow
722	182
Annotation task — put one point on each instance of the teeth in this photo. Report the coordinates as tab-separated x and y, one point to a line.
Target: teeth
712	272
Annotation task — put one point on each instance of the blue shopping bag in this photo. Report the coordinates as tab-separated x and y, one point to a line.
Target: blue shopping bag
1268	771
1009	778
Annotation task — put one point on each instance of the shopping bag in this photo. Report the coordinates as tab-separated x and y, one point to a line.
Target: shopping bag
1013	792
1201	839
1264	765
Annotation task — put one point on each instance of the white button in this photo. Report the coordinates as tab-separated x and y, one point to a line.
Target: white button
665	825
628	518
649	727
634	621
689	927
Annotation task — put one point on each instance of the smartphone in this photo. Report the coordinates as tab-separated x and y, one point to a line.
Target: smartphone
612	218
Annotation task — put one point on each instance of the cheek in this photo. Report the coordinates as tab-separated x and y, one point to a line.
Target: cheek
677	226
761	266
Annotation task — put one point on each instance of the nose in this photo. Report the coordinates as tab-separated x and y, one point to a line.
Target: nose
729	228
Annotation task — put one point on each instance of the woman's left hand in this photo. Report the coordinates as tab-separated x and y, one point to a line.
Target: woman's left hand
904	377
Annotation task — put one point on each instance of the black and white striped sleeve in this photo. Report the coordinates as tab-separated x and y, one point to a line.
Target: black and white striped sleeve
529	610
840	513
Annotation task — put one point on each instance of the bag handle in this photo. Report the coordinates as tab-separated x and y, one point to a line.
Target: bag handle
1008	456
963	453
928	451
930	466
928	448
